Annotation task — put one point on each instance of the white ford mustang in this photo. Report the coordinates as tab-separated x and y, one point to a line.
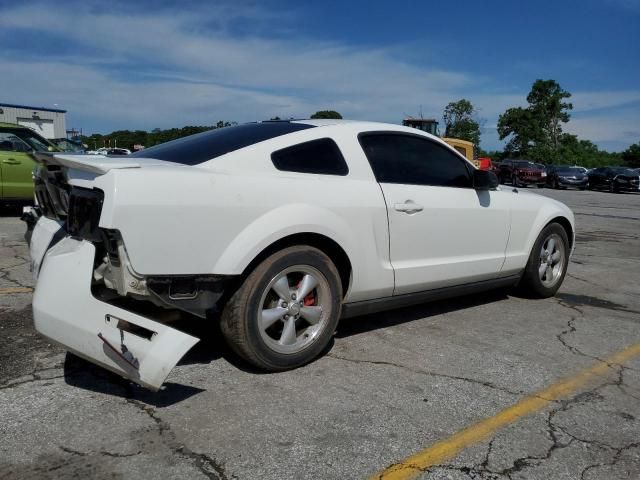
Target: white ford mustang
280	227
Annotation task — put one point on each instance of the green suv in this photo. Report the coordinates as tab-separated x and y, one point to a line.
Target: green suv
16	162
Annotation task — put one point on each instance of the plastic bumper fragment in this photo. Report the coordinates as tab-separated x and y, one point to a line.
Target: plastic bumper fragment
66	312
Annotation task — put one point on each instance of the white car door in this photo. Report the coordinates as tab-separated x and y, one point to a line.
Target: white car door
442	231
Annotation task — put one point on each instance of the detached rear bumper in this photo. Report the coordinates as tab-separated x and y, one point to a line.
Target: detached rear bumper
66	312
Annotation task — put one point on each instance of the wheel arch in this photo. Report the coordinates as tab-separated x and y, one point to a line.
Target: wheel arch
566	224
327	245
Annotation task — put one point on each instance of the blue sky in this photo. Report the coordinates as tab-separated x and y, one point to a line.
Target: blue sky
168	64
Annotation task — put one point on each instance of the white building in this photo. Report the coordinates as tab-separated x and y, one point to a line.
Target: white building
48	122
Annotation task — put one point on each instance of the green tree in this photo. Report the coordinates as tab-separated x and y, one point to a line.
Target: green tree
127	138
326	114
631	156
459	121
536	131
573	151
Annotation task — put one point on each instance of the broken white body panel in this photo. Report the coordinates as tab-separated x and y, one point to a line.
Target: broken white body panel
47	229
66	312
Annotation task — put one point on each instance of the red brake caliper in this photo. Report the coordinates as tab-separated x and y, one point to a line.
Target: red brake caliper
310	299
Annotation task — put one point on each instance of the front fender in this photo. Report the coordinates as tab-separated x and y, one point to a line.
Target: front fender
530	214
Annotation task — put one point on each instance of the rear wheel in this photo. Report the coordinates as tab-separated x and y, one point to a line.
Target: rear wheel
547	263
286	310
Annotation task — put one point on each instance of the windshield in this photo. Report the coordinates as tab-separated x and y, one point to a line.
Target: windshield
68	146
570	171
204	146
525	164
622	171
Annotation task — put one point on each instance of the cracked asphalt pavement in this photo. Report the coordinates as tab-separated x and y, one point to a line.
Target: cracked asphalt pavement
390	385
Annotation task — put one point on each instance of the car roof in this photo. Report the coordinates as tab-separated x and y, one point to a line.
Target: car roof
11	125
322	122
364	125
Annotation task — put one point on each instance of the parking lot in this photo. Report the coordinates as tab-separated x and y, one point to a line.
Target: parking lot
536	389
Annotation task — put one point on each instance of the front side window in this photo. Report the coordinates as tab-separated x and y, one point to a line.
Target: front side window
412	160
317	156
32	139
10	142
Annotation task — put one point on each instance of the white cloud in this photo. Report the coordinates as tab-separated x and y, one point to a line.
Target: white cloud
587	101
616	131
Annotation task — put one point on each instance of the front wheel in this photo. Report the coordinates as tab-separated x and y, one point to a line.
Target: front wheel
547	264
285	312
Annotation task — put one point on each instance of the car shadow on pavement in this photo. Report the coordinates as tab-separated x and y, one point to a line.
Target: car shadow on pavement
87	376
354	326
10	210
212	345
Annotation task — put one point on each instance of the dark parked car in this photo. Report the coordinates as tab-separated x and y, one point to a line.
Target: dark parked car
118	151
614	179
563	176
522	173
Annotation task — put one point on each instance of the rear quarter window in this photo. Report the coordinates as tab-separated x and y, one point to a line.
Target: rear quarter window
321	157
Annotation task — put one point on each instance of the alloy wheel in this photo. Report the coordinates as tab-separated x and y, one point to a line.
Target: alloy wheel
551	265
294	309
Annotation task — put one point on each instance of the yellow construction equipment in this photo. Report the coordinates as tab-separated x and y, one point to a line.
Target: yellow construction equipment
430	125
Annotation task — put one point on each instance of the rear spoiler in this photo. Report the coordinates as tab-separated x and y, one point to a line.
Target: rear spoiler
98	164
91	163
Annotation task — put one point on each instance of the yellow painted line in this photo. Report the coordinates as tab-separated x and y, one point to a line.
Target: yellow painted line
8	290
411	467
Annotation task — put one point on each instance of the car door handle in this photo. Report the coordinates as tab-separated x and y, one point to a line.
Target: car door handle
12	161
408	207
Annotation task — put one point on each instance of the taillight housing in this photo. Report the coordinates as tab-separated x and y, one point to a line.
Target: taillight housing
83	215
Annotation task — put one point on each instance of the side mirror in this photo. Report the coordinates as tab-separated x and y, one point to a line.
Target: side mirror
485	180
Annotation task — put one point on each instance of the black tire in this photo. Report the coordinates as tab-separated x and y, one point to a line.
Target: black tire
531	284
239	321
541	185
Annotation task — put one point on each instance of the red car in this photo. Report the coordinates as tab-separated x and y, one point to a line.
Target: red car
521	173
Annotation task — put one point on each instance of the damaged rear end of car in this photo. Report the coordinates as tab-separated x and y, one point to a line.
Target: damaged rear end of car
87	294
